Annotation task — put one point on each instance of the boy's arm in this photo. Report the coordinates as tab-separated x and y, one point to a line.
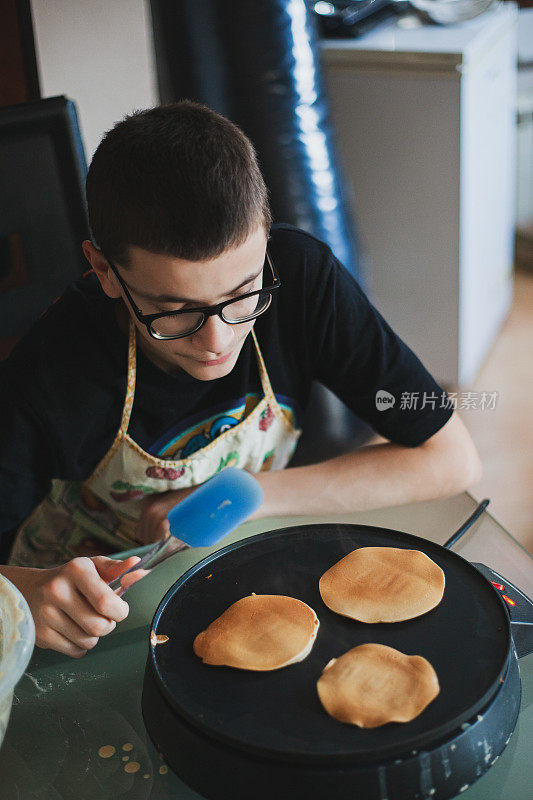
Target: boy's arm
375	476
372	477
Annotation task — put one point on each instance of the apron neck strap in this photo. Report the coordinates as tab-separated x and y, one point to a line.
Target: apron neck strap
132	374
265	380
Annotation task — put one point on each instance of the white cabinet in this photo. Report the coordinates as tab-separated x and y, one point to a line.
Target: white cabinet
425	121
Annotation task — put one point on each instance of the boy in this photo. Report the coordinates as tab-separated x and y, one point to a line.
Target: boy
190	346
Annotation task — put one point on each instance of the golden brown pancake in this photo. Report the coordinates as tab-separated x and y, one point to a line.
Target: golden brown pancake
260	632
373	684
382	584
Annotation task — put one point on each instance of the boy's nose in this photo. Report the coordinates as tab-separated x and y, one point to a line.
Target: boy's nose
215	337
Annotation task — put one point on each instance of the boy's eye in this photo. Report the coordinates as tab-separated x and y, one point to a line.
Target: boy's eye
244	290
162	309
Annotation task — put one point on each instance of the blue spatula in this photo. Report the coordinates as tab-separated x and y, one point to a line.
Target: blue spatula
205	517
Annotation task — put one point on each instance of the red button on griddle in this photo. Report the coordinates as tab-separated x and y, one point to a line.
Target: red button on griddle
499	586
508	600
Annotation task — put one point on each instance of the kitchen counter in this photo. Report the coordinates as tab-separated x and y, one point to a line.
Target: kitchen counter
66	710
422	45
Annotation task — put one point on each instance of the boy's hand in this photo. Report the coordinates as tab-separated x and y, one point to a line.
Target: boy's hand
153	522
71	605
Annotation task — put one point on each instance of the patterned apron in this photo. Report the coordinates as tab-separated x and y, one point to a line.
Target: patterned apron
99	515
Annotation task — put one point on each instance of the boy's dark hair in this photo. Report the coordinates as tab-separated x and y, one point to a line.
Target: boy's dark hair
177	180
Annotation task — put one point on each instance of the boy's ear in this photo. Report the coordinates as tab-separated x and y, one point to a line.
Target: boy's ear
103	271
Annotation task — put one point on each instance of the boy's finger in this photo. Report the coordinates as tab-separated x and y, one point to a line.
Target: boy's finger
52	640
59	621
110	568
132	577
82	613
94	589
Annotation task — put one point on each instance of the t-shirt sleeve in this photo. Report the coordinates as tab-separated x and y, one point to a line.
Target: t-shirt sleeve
26	463
365	363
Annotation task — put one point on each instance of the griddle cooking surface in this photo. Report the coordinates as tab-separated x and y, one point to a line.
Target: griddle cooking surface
466	639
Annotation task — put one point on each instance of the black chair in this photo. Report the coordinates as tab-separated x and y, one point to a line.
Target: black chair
42	210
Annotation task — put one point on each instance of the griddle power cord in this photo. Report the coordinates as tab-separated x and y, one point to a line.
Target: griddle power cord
467	524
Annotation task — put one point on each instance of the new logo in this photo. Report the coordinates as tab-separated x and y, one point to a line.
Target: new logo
384	400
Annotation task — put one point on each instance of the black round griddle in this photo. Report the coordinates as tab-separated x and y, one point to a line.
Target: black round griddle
243	719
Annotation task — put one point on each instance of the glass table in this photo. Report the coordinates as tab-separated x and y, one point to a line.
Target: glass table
76	730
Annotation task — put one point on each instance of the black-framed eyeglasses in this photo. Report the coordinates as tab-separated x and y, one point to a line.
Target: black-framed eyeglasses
185	322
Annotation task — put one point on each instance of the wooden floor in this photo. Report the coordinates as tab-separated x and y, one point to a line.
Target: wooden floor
504	437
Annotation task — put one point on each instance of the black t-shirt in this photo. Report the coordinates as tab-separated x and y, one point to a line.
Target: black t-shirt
62	389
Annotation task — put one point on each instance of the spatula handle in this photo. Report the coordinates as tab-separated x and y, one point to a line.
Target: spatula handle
162	550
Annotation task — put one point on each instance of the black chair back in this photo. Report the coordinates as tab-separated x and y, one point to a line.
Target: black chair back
43	216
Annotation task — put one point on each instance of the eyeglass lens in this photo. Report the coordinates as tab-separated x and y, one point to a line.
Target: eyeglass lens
237	311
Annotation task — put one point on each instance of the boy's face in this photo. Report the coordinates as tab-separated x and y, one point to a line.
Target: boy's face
159	283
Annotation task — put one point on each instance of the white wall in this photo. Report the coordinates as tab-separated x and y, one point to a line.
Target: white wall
100	54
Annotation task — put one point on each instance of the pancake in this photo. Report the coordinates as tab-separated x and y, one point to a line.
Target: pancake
260	632
373	684
382	584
